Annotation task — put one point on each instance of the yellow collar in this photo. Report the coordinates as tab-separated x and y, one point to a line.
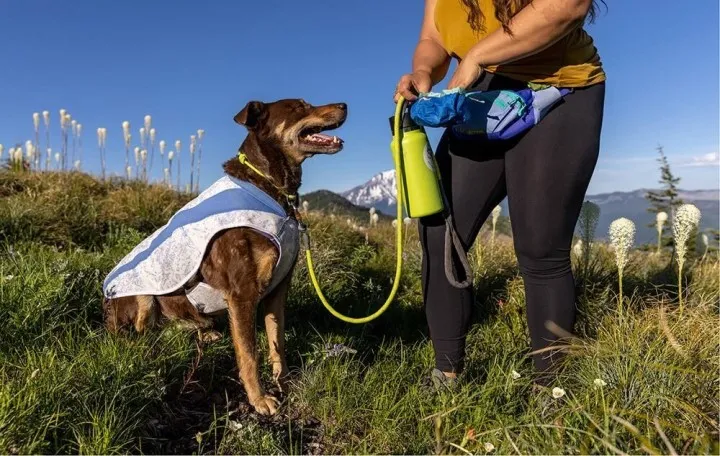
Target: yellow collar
292	199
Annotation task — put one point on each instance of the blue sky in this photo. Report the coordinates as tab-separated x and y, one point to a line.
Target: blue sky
195	64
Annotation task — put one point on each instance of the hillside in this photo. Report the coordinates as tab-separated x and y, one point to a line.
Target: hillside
331	203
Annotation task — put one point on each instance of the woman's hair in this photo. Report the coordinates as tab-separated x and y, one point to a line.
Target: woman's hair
505	10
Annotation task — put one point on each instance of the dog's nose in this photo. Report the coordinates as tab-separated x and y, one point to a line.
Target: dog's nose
342	106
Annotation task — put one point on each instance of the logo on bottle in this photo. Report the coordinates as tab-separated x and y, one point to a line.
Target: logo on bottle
428	157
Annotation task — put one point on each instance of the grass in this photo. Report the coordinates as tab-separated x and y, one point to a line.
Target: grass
66	386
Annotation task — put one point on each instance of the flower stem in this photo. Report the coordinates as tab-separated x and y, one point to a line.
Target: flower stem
680	296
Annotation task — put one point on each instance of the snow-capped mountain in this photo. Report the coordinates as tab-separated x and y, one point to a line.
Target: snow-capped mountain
379	192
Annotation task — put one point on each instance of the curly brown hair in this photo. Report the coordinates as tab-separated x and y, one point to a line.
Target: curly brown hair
505	10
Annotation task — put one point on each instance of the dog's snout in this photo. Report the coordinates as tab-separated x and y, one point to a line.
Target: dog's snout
342	106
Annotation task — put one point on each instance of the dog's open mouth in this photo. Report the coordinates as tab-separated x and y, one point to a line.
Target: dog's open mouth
313	138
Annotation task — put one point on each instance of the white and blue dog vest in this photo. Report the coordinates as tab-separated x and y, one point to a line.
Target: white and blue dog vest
169	258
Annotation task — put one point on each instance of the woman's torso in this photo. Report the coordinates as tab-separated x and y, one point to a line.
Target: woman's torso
571	62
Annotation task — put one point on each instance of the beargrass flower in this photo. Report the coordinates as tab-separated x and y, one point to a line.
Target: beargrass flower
46	118
36	121
687	218
148	122
495	216
660	220
622	238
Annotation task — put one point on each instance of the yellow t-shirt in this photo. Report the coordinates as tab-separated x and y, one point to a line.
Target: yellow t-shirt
573	61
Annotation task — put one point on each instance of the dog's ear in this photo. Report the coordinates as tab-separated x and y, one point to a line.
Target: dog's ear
251	114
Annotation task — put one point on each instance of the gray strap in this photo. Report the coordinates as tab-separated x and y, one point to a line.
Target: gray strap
452	240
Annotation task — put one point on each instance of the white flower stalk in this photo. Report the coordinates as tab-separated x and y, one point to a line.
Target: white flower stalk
147	122
686	220
102	138
394	223
36	121
166	174
178	145
305	206
2	149
136	152
77	165
170	157
143	161
622	238
407	221
57	159
48	159
162	145
73	132
36	127
152	134
128	172
30	151
126	139
63	135
78	134
372	216
142	136
578	248
46	121
375	219
200	135
557	393
705	239
495	216
193	145
660	220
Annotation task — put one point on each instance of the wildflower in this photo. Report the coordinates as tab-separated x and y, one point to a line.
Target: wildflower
489	447
705	239
578	248
78	129
46	118
142	135
599	382
177	145
36	121
171	155
622	237
137	155
77	165
29	150
375	219
660	220
73	126
128	171
394	223
495	216
515	375
57	157
162	147
349	222
200	133
687	218
152	136
62	117
2	149
166	173
148	122
143	155
305	206
557	393
406	221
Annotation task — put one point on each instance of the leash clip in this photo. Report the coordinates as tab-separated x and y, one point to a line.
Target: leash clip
304	235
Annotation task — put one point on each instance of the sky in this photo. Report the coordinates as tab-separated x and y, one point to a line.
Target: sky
194	65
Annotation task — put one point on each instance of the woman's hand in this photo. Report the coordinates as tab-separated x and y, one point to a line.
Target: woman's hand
419	81
467	72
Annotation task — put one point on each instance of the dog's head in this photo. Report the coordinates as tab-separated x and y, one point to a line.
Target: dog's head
294	126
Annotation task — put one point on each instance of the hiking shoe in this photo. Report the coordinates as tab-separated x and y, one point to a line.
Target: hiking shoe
437	380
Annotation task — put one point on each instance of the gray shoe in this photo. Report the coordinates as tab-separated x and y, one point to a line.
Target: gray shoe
438	380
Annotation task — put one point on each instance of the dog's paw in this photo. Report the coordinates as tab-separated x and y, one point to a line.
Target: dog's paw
266	404
210	336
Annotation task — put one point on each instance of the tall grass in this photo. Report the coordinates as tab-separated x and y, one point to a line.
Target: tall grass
645	383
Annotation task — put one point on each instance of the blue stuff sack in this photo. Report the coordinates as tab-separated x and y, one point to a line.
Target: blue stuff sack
494	114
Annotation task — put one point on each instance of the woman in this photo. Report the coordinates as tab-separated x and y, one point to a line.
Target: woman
507	44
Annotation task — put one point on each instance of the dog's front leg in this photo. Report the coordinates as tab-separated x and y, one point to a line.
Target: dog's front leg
241	310
275	328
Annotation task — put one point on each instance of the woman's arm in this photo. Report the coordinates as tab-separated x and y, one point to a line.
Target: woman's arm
534	28
430	56
430	61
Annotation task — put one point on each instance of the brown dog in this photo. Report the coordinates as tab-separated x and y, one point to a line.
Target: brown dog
240	261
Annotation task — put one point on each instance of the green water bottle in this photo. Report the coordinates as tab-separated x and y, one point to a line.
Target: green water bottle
416	170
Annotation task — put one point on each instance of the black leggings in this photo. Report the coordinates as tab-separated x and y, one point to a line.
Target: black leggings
545	174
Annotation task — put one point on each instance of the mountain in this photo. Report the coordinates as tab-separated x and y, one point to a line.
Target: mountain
332	203
379	192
